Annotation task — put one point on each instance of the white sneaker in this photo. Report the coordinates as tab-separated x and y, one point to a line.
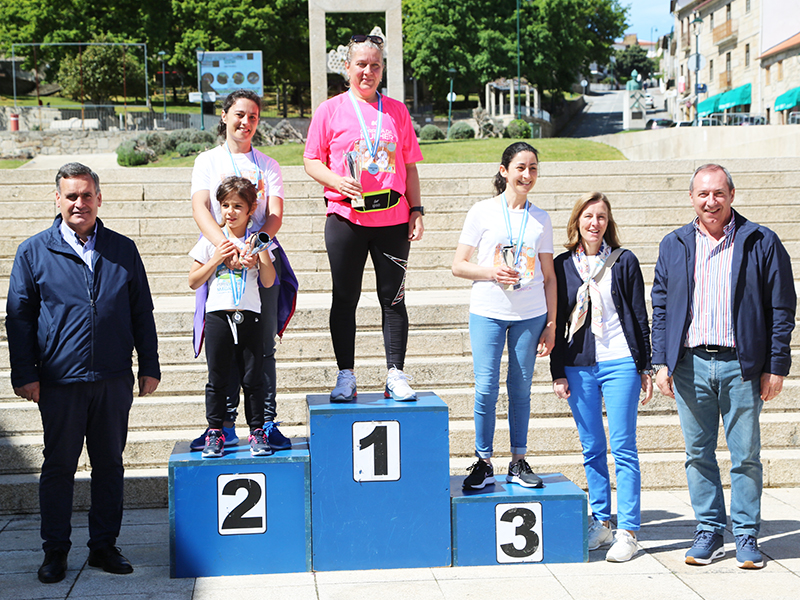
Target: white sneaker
599	535
397	387
345	390
623	548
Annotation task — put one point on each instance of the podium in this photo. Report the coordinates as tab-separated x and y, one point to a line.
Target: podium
506	523
239	514
380	485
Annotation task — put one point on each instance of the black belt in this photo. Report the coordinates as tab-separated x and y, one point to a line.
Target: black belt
712	349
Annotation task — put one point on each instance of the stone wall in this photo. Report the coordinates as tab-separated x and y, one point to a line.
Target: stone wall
27	144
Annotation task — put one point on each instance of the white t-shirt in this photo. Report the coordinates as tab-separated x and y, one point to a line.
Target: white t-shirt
613	344
213	166
220	293
485	229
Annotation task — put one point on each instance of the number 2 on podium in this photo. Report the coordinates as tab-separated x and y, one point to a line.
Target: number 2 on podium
241	503
376	451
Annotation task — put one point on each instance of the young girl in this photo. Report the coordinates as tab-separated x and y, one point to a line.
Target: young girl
233	310
514	298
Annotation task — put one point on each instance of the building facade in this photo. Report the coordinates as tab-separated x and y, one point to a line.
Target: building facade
749	66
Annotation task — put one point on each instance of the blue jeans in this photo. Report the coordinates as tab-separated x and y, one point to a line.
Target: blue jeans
708	385
617	382
488	338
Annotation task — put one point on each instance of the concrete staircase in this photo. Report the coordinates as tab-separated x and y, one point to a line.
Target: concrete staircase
151	205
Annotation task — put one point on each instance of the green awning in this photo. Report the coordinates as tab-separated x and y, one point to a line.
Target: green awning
735	97
709	105
788	100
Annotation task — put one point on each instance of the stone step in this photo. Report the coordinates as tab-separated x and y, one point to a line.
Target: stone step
148	488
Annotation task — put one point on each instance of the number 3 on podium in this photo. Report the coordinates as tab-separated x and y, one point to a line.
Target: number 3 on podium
518	531
376	451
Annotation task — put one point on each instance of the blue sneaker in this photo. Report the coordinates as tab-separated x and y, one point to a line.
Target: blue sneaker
259	445
748	556
277	440
231	439
707	546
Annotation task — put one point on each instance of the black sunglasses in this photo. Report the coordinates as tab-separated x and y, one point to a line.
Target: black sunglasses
375	39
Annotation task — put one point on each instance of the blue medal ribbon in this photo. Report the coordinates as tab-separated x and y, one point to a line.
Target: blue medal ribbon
523	225
237	290
372	146
252	159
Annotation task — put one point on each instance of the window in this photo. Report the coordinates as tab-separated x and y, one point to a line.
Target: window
711	21
728	12
747	6
747	55
767	74
728	62
710	70
780	70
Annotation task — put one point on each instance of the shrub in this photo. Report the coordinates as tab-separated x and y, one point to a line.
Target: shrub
461	131
431	132
197	136
179	135
517	129
129	154
188	148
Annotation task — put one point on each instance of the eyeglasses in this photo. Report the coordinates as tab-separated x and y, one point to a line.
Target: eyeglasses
375	39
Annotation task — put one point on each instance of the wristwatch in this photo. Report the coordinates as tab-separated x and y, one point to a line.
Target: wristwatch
657	368
419	209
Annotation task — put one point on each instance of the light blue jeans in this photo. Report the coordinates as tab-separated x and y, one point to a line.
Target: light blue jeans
707	386
617	382
488	338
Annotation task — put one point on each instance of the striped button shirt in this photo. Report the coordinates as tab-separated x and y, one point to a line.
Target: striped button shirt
712	303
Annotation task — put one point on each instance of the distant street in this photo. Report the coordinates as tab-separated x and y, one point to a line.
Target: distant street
603	114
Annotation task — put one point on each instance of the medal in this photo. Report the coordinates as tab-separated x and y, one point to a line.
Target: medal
372	168
238	318
372	145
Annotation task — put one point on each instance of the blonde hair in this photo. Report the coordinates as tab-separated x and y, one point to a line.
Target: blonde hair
573	228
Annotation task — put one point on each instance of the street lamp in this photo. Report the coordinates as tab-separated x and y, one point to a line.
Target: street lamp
452	73
162	54
697	24
200	53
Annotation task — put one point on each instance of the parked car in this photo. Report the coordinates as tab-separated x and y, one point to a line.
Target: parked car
649	102
659	124
683	124
707	122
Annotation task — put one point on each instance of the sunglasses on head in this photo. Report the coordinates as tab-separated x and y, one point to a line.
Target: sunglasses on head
375	39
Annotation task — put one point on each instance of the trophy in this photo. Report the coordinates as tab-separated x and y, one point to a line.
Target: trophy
258	242
353	160
508	259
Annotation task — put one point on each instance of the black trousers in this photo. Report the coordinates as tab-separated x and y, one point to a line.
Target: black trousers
348	245
98	412
240	362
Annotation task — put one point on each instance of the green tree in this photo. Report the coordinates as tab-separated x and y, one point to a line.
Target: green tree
100	73
634	57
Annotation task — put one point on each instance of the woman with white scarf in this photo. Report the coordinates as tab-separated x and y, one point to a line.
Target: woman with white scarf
602	354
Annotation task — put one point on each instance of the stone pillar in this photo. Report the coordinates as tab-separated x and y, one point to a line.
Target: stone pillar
316	43
528	99
512	104
488	104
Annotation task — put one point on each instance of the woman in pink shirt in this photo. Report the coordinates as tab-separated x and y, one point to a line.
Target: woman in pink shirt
362	147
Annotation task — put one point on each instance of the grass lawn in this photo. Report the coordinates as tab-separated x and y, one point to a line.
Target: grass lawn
438	152
12	163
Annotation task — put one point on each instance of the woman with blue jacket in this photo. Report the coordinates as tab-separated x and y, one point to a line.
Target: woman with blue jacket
602	354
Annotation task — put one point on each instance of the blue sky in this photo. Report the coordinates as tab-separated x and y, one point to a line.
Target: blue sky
646	14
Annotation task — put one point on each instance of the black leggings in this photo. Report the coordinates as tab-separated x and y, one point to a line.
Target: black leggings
348	245
239	362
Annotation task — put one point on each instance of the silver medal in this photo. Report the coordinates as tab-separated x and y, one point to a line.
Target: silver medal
372	168
238	318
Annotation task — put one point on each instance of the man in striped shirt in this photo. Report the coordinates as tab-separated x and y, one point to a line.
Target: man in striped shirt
723	314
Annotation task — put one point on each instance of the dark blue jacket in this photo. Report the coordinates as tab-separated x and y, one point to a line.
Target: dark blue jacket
764	299
627	288
66	324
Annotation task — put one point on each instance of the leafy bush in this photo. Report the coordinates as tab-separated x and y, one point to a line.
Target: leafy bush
188	148
461	131
129	154
431	132
517	129
157	142
198	136
177	136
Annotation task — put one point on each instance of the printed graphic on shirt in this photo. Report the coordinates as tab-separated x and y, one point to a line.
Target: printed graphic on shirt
253	175
223	281
526	265
403	264
384	157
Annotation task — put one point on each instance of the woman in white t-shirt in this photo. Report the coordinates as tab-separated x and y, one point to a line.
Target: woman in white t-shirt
602	353
513	297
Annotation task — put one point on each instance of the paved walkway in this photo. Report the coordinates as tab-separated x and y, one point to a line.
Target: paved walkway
97	162
657	572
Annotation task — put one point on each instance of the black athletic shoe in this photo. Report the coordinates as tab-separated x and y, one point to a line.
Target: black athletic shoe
480	474
521	473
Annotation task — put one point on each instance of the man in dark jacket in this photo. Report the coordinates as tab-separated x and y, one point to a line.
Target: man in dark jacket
78	304
723	314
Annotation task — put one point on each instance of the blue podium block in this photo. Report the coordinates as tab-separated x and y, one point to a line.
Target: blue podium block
507	523
380	484
239	514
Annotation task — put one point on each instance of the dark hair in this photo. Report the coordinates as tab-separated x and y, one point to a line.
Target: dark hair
712	167
508	155
241	187
611	236
230	100
75	169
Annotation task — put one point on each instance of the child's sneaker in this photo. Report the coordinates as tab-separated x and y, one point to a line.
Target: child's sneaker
215	442
397	387
231	439
259	444
480	475
277	441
